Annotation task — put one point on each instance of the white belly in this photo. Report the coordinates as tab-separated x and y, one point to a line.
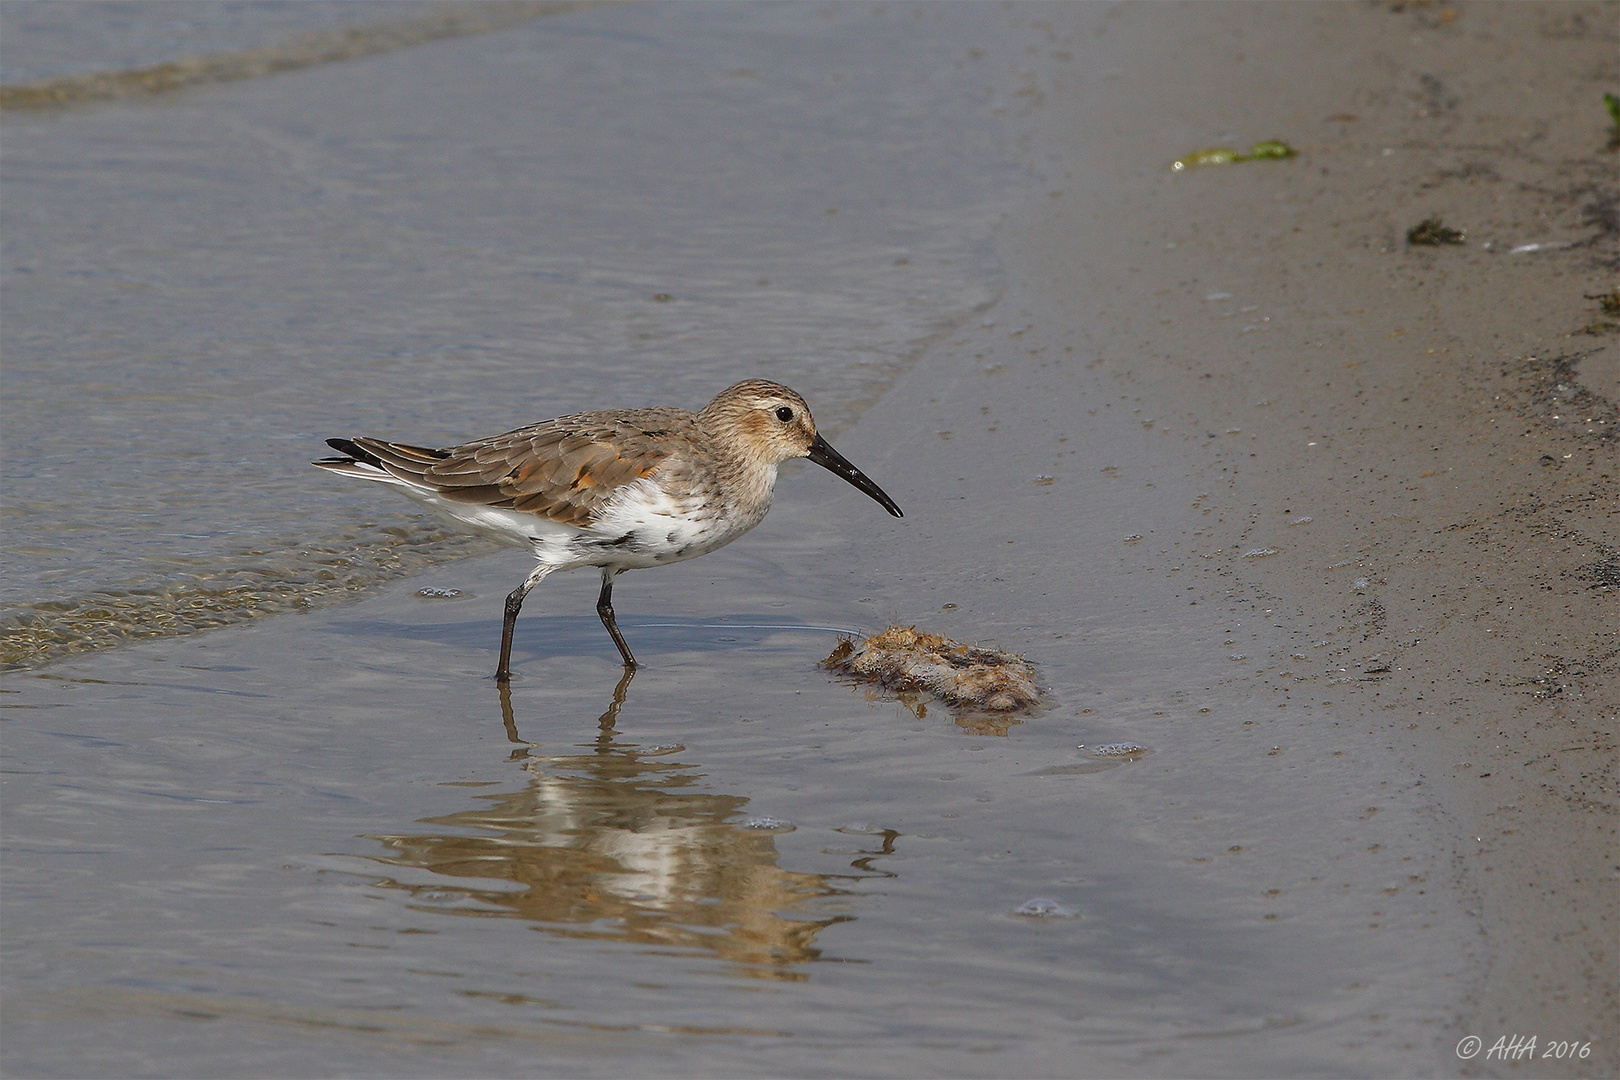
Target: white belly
640	526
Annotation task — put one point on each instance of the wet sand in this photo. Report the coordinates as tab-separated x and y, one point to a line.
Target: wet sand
1463	406
1396	463
1253	483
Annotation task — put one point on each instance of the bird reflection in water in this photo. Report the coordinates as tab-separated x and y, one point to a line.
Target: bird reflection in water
617	844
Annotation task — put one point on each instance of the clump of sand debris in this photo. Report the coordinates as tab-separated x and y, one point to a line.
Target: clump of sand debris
904	660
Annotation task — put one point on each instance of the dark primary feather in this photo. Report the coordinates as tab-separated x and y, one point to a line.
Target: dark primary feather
345	446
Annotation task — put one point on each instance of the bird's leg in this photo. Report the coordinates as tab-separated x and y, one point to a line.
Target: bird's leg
514	602
604	608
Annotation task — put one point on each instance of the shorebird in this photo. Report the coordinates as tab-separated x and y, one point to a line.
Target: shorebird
621	489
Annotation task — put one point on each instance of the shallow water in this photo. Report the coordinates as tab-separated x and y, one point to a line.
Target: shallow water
439	243
327	843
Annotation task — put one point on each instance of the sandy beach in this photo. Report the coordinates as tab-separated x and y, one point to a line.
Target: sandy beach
1322	519
1445	416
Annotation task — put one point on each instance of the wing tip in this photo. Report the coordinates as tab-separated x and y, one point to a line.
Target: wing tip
359	462
355	452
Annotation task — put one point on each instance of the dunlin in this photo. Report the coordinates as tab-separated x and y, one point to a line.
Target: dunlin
620	490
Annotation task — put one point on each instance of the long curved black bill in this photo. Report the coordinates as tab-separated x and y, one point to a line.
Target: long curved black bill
834	462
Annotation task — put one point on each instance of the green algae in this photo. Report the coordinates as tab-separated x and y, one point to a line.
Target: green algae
1264	150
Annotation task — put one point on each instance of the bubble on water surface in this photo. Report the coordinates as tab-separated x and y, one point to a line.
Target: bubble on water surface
1119	750
767	824
1099	758
1042	908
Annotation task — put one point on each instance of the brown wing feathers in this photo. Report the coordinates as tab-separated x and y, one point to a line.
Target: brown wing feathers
561	469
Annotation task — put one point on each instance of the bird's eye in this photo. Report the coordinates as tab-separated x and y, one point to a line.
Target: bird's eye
784	414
